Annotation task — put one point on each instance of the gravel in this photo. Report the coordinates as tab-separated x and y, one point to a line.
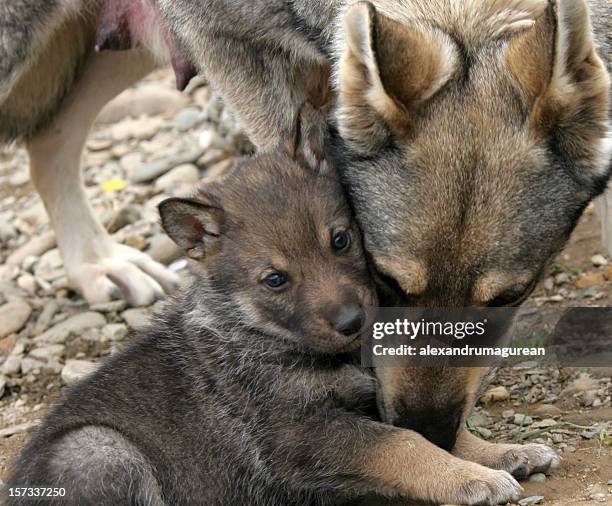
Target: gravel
13	316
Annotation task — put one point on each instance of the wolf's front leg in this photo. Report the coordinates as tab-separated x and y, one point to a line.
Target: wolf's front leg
96	266
359	456
519	460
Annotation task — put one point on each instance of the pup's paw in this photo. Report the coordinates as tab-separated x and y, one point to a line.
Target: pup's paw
489	487
123	272
525	460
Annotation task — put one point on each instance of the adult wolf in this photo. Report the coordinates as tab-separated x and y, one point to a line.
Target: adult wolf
471	135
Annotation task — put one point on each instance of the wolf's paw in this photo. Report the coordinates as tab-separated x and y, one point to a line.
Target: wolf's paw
525	460
489	487
123	272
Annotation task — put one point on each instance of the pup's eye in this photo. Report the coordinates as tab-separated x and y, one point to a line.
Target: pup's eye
276	281
341	241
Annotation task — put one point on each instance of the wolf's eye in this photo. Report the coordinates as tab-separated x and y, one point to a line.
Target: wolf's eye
276	281
341	241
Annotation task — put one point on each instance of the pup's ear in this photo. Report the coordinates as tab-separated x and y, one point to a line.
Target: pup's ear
192	225
388	70
308	139
557	67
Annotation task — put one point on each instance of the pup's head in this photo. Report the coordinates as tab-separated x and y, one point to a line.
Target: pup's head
472	136
277	239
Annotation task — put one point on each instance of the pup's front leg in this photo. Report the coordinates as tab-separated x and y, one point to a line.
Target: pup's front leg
360	456
519	460
96	266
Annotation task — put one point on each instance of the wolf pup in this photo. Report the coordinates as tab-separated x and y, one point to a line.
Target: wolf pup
244	390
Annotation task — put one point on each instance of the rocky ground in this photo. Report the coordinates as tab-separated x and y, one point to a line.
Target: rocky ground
153	142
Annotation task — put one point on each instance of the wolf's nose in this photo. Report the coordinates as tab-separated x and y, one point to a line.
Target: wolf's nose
348	320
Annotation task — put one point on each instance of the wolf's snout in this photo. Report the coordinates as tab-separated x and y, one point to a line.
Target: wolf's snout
348	319
439	426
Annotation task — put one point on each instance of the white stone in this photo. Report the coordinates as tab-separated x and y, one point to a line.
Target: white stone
184	173
13	316
73	325
75	370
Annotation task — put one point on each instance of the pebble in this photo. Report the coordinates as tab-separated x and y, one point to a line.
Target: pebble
149	99
209	139
188	118
49	310
507	414
544	424
30	365
7	232
13	316
130	161
589	280
2	385
91	335
534	499
115	331
141	128
163	249
522	419
34	247
184	173
549	284
537	478
47	352
99	144
599	261
211	157
589	434
125	216
50	266
547	411
12	365
496	394
19	178
562	278
73	325
114	306
154	169
479	419
75	370
588	398
484	432
27	282
136	317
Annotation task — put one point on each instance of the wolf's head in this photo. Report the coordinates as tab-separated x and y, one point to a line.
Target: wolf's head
276	238
472	138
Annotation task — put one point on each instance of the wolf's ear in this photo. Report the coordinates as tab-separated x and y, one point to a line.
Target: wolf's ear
192	225
387	70
309	137
557	67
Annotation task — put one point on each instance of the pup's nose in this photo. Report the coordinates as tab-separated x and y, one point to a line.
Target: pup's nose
348	320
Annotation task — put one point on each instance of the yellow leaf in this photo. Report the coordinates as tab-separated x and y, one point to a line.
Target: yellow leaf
114	185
